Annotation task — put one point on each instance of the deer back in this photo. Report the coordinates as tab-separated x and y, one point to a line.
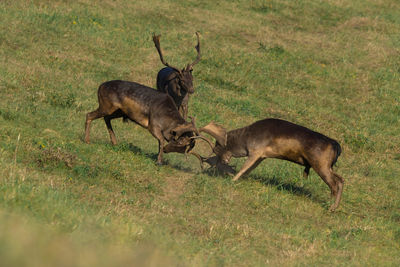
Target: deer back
284	140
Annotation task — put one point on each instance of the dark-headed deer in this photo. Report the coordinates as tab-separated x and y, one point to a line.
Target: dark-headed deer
274	138
178	83
147	107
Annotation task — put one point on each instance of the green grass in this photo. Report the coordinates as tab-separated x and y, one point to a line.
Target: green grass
332	66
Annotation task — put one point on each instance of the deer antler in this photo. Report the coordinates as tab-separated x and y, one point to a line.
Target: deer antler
216	131
198	52
156	40
205	139
193	120
213	162
200	158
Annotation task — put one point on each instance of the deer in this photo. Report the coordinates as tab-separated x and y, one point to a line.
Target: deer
276	138
178	83
147	107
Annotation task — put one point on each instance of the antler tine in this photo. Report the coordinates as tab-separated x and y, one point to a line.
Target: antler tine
200	158
205	139
216	131
198	51
193	119
156	40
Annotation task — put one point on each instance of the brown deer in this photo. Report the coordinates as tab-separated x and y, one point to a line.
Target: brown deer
147	107
176	82
274	138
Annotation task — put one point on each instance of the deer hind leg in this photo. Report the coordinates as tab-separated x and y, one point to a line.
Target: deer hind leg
251	162
334	182
340	183
89	118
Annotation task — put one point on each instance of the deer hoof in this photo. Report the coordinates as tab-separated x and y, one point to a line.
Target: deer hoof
332	208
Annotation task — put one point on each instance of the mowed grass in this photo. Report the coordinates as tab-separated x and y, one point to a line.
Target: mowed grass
332	66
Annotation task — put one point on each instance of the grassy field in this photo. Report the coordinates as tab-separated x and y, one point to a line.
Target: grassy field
332	66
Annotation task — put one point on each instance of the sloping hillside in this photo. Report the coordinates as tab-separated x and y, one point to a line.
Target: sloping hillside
332	66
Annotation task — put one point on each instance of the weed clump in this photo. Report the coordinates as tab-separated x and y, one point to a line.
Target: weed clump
61	100
8	115
54	156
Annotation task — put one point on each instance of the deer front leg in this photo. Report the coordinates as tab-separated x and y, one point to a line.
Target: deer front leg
160	151
251	160
183	109
156	132
107	120
306	171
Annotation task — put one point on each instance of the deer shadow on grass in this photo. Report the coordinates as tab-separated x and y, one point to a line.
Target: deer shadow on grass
282	186
291	188
274	181
129	147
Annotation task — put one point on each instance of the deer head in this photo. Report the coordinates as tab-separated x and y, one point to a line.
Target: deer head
184	76
223	155
221	137
181	138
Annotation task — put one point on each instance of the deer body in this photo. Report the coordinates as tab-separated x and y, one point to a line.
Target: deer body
274	138
145	106
168	82
178	83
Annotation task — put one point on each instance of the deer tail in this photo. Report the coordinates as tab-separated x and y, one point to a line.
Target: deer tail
338	151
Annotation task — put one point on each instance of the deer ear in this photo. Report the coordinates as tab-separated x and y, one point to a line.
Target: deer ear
216	131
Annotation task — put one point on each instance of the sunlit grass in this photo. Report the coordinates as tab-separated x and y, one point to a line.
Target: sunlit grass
332	66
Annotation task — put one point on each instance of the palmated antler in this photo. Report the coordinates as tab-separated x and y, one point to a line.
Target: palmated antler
205	139
184	128
156	40
214	163
216	131
212	160
198	53
200	158
178	131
